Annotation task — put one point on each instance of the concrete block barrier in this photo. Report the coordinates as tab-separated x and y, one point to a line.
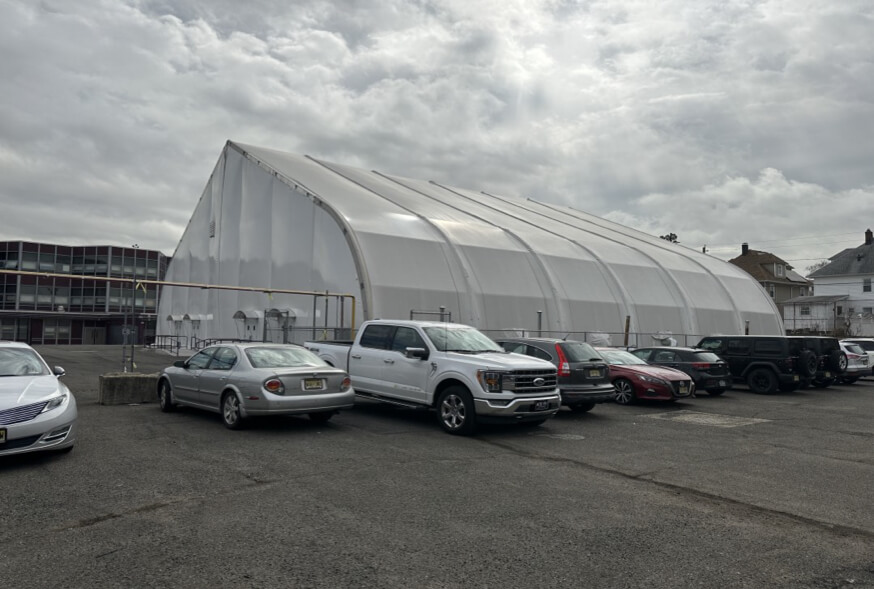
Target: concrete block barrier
122	388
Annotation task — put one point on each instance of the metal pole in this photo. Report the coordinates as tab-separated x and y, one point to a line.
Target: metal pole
133	313
539	323
315	302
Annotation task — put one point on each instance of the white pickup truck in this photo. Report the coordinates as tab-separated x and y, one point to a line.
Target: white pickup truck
452	368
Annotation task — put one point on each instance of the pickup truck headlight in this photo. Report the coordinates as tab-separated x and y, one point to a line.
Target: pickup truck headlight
493	381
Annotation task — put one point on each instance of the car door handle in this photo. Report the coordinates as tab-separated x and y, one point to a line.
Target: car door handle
356	356
389	361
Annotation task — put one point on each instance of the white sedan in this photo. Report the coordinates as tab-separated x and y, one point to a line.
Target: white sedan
242	380
37	411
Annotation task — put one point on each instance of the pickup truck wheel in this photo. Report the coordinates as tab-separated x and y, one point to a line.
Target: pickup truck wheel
455	411
762	381
165	397
231	415
624	394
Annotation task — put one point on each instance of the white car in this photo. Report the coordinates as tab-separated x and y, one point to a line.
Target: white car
857	363
867	344
37	411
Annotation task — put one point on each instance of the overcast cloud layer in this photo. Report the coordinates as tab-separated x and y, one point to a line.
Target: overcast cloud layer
723	121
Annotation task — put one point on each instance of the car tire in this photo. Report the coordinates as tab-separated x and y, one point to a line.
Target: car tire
321	416
165	397
849	379
823	383
715	392
841	362
762	381
581	407
232	417
624	394
455	411
789	388
807	363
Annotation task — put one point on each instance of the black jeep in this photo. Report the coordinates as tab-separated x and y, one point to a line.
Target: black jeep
821	360
766	363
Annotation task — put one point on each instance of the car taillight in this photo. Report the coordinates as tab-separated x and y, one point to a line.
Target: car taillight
274	385
564	369
347	382
701	365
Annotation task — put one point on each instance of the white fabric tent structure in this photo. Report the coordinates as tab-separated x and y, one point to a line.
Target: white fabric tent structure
275	220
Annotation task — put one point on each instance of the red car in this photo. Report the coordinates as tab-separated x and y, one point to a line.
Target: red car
634	379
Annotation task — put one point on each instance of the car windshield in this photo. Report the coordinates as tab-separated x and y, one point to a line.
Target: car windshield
619	357
580	352
705	357
280	357
21	362
461	339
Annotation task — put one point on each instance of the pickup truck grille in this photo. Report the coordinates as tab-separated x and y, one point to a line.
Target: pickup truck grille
525	381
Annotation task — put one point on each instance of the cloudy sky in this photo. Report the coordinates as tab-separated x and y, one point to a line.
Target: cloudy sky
723	121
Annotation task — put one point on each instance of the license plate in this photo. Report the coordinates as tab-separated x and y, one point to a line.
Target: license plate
594	373
2	435
828	374
684	389
541	405
722	383
795	378
312	384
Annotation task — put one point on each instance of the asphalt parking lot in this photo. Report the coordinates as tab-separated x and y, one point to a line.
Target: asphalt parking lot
740	490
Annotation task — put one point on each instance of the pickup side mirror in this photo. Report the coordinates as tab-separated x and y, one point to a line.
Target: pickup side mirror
420	353
180	364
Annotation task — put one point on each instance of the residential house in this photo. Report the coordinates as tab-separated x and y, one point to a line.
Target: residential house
850	273
774	274
818	314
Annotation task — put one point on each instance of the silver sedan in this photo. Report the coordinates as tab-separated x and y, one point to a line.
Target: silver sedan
242	380
37	411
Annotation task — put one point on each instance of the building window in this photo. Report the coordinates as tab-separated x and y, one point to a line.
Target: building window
866	310
772	290
779	270
805	309
840	311
803	291
866	285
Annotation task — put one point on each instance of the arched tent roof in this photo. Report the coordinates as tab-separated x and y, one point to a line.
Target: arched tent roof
496	262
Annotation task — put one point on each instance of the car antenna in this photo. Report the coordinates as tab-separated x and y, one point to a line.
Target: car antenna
564	339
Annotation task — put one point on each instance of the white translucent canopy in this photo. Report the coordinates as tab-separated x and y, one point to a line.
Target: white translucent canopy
400	246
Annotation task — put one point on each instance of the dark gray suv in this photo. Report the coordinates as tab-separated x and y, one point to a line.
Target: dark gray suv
583	375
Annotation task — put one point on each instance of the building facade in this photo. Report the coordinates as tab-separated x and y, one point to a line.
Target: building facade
777	277
57	294
850	273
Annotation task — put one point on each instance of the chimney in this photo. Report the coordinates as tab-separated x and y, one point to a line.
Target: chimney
869	237
744	249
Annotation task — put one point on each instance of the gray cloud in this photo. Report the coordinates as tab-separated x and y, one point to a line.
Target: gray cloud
685	116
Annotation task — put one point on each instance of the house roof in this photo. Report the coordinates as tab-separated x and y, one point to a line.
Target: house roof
759	265
819	299
854	260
